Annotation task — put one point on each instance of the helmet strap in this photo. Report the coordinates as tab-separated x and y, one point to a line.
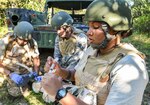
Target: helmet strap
108	37
15	36
111	44
99	46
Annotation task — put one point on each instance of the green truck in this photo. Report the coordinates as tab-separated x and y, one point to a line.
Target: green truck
44	34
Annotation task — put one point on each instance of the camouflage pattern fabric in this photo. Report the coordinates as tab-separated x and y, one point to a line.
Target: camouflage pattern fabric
67	47
71	52
84	94
14	53
11	54
13	89
68	55
2	49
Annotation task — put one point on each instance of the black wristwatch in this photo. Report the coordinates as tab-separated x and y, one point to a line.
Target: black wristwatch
61	93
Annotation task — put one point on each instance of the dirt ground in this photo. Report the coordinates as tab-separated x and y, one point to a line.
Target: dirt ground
36	99
44	53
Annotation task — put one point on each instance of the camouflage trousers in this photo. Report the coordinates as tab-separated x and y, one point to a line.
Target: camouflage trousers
15	90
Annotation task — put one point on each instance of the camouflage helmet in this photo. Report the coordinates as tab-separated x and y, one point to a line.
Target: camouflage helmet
23	30
116	13
61	18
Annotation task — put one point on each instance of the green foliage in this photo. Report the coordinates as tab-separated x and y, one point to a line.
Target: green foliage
142	23
35	99
141	15
142	42
140	8
3	30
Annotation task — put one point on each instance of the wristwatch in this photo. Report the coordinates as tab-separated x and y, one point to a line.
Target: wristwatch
61	93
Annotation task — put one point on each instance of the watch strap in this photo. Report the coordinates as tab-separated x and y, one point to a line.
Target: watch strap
61	93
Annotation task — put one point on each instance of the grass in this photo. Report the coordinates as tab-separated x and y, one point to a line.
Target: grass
141	41
3	30
31	98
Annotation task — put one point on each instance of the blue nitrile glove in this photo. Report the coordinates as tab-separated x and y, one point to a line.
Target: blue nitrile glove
35	76
32	75
18	79
22	80
38	78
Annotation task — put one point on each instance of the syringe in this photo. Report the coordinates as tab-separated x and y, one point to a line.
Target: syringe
52	70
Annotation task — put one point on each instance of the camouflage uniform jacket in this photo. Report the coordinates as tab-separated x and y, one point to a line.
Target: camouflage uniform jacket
71	52
11	53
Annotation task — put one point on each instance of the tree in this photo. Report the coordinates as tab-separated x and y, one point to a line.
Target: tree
141	15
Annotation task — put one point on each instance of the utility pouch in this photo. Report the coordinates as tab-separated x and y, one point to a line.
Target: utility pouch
89	97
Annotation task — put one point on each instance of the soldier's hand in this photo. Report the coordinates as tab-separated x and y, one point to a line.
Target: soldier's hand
38	78
48	64
22	80
51	84
57	68
18	79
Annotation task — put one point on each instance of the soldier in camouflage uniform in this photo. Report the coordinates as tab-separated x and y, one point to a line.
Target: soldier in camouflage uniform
70	45
110	72
70	42
19	57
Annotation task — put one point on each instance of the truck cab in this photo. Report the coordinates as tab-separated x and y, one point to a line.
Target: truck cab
44	34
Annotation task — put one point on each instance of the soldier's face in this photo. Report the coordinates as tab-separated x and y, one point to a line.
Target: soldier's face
21	42
95	33
64	32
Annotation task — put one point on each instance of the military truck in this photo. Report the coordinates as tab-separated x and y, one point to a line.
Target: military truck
44	34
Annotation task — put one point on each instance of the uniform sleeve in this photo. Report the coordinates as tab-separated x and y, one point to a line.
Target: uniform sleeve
128	82
57	54
3	44
35	53
81	48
